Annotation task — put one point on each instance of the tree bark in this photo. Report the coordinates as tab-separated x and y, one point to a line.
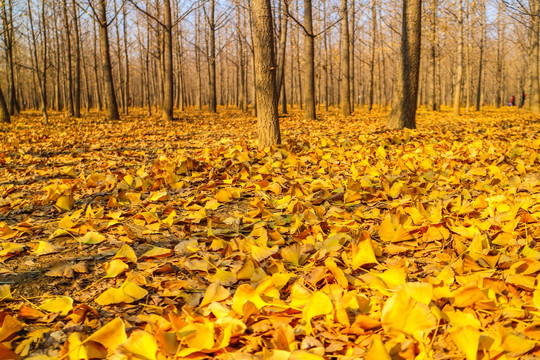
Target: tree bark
67	29
434	7
481	56
345	62
281	57
212	96
4	111
535	57
499	61
168	77
459	76
403	112
309	65
112	105
77	55
7	19
372	59
126	92
265	73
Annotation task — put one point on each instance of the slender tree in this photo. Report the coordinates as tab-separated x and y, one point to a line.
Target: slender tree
112	105
535	56
372	55
309	62
345	61
481	55
77	55
403	112
168	76
460	55
9	41
212	94
4	111
265	73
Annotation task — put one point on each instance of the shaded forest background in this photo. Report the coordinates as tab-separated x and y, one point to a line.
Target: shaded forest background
92	55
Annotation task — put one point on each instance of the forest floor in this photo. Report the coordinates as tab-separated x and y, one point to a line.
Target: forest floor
141	239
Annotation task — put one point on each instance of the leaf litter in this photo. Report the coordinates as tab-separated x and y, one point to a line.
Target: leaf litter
142	239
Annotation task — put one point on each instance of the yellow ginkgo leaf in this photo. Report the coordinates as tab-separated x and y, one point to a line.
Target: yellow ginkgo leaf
467	338
11	248
60	304
9	327
65	202
339	275
393	277
115	267
403	313
223	196
318	304
127	293
377	351
419	291
536	299
245	293
45	248
260	253
158	196
126	253
292	254
390	233
215	292
224	277
304	355
5	292
516	346
92	237
157	252
362	252
75	347
212	204
111	335
140	345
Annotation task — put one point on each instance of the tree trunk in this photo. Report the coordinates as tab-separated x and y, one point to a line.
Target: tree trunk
168	91
4	111
281	57
112	106
127	98
459	77
96	77
535	60
77	72
265	73
326	62
309	66
212	96
500	56
67	29
7	20
372	60
352	37
481	57
345	62
434	7
403	112
41	74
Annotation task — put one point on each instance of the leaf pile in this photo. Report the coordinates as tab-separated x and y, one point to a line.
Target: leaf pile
150	240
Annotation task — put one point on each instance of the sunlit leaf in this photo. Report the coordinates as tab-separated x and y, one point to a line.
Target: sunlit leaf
128	292
60	304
